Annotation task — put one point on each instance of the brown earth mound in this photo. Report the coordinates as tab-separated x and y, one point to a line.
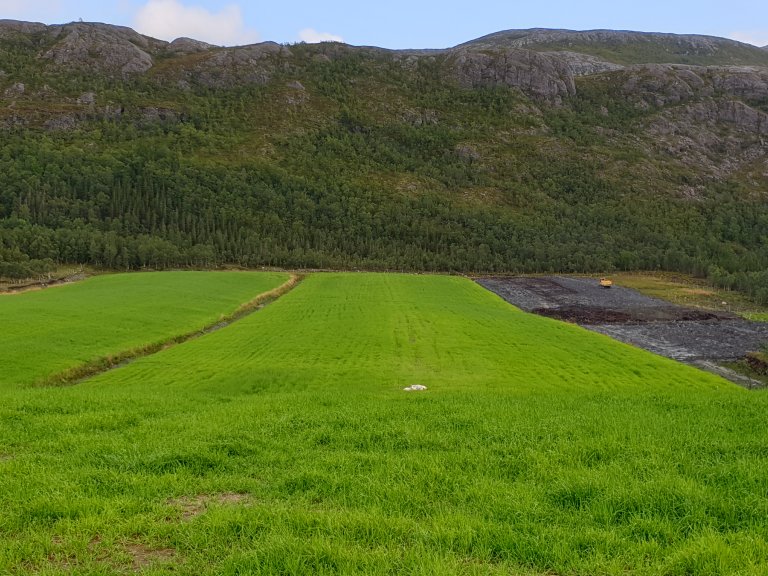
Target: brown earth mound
589	315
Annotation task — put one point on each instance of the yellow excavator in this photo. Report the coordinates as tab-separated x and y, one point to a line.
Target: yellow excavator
606	282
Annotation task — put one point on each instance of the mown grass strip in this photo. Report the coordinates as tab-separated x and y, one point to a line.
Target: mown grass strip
97	366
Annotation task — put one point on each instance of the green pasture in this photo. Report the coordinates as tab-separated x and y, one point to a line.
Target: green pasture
51	330
284	444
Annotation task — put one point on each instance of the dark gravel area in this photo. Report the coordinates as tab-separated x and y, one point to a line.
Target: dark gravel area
686	334
557	291
689	341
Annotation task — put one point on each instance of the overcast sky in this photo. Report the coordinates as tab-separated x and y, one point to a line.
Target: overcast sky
396	23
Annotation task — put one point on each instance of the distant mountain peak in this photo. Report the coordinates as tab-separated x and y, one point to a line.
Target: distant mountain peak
630	47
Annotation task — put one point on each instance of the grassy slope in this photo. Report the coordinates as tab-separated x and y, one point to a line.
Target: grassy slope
539	448
48	331
689	291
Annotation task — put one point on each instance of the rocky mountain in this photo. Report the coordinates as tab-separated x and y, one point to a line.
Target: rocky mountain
521	150
625	47
541	63
60	76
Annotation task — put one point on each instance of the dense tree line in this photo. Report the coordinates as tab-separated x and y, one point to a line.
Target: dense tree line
154	209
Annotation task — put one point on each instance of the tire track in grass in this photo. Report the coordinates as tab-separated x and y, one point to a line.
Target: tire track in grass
98	366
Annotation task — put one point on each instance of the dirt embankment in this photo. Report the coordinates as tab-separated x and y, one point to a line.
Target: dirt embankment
699	337
41	285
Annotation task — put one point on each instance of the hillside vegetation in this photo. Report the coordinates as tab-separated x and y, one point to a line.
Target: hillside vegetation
526	151
284	444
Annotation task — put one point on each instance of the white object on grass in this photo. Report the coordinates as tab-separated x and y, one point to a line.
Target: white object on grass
415	388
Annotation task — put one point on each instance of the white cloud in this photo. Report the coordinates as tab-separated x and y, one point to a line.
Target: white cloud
311	36
170	19
755	37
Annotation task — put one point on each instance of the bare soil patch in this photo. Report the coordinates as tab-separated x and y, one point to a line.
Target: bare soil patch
700	337
192	506
130	556
143	556
60	561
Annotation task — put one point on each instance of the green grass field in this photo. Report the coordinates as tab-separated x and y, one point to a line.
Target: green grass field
49	331
284	444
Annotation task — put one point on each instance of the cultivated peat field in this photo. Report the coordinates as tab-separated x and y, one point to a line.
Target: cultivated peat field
285	444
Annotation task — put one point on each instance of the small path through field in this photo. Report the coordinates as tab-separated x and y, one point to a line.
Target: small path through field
100	366
698	337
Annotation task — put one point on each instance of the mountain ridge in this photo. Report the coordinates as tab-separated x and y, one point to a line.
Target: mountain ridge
542	63
509	38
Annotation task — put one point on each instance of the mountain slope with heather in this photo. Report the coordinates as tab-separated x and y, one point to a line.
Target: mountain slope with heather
523	151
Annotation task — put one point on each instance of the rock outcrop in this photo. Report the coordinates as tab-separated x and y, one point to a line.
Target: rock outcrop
732	112
714	138
539	75
16	89
183	45
712	112
101	48
663	84
86	98
584	64
230	67
15	28
750	83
